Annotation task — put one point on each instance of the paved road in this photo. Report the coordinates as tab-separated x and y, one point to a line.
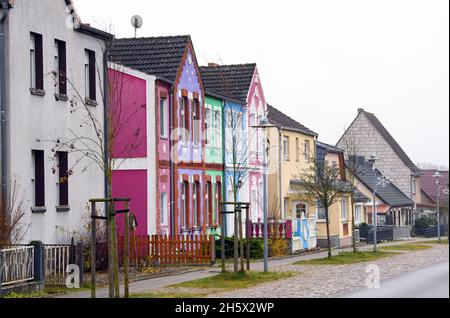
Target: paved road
431	282
153	284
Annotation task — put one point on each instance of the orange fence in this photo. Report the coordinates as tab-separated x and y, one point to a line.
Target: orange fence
169	250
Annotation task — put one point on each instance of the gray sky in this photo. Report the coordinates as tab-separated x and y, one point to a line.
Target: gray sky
320	60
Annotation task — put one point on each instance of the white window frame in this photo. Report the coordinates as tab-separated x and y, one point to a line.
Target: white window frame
306	209
307	150
344	209
358	213
163	109
286	148
217	128
195	199
183	203
319	208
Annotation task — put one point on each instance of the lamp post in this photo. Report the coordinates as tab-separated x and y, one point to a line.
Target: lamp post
372	160
437	175
263	124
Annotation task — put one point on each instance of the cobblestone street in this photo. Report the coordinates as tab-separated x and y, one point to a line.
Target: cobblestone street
319	281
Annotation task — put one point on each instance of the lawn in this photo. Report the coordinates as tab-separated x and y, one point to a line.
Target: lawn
434	242
348	258
48	291
406	247
215	284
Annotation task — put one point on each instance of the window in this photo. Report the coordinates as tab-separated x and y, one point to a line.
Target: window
208	203
185	204
321	213
297	149
253	148
217	201
344	209
89	76
413	186
285	207
60	67
164	209
184	119
163	114
307	150
196	204
218	128
286	148
345	229
39	178
63	178
358	214
196	121
239	134
254	205
300	211
208	125
36	62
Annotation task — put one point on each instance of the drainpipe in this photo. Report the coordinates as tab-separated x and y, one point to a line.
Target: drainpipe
3	121
172	166
108	191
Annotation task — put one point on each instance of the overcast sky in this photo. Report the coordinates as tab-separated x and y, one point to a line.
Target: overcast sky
320	60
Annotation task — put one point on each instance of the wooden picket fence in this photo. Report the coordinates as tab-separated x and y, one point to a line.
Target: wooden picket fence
157	250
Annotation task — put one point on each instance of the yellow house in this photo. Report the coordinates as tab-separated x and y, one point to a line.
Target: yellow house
291	151
340	213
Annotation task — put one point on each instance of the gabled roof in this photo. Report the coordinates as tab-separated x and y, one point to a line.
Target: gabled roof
428	182
389	139
278	118
229	80
389	194
329	148
158	56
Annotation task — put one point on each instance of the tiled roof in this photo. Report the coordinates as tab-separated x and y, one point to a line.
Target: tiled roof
390	140
429	182
229	80
278	118
389	193
328	147
158	56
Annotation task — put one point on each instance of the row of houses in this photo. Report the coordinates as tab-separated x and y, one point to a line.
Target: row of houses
185	138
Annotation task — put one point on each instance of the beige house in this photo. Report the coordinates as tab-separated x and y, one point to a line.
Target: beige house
340	214
291	152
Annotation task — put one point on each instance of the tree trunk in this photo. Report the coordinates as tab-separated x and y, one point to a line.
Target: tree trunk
328	232
355	248
236	237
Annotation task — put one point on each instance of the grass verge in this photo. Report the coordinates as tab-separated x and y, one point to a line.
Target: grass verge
348	258
434	242
215	284
406	247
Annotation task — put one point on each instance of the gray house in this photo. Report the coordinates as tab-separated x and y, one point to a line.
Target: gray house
367	136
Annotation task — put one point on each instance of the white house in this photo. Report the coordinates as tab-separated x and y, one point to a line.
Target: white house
50	60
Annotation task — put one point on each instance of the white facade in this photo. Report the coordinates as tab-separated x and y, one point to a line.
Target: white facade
36	121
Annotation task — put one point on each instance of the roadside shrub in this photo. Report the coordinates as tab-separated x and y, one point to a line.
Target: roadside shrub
256	248
278	247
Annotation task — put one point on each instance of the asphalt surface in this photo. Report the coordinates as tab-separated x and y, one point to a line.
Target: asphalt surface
431	282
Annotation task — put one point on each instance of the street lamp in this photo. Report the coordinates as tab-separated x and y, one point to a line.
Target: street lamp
263	124
437	175
372	161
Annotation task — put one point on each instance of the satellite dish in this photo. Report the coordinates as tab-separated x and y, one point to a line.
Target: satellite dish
136	22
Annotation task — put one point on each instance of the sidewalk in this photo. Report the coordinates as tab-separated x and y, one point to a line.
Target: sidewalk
153	284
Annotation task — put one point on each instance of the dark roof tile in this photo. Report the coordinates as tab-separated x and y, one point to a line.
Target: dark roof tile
159	56
229	80
276	117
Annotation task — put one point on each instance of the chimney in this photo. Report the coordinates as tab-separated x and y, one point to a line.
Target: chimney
213	64
360	110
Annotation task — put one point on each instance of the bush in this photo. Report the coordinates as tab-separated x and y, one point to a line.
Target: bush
423	223
256	248
278	247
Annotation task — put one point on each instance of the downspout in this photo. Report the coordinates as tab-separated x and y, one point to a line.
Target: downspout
3	109
224	183
172	166
108	191
280	189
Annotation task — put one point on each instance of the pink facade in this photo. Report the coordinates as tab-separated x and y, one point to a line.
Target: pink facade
257	109
129	112
132	184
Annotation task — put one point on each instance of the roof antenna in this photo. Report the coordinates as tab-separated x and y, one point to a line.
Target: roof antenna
136	22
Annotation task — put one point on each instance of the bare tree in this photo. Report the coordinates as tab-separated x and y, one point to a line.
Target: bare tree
13	223
322	183
349	140
96	142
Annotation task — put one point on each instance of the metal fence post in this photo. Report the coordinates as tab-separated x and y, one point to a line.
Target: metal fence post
1	272
79	255
38	263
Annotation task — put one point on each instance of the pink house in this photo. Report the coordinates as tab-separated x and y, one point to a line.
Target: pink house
133	144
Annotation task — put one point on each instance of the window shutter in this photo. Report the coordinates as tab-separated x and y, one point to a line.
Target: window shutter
62	67
92	84
39	61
